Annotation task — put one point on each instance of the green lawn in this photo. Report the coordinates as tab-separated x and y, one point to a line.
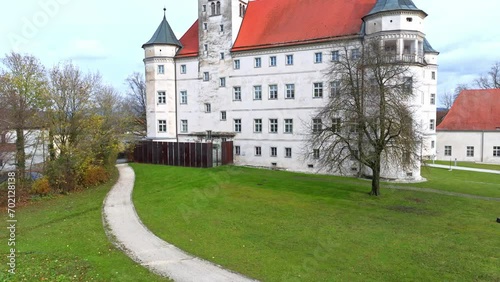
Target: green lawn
468	164
63	239
281	226
461	181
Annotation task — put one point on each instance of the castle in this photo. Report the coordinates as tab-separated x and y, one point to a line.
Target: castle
254	72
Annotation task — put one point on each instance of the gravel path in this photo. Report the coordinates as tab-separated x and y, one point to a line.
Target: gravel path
125	230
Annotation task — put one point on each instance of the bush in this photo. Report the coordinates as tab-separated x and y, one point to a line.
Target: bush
41	186
94	175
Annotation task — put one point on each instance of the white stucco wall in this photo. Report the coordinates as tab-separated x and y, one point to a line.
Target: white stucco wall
303	73
36	149
483	143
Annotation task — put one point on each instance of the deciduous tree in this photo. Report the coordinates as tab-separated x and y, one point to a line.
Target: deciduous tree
368	118
23	94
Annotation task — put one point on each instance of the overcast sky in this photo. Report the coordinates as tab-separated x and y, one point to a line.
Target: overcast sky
106	36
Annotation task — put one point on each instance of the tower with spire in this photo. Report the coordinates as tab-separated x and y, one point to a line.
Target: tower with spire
161	109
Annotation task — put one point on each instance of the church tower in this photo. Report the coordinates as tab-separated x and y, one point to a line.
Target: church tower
159	61
399	24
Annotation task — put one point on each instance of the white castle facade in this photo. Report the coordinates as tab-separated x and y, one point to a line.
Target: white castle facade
254	72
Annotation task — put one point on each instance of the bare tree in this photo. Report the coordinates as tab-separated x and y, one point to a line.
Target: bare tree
491	79
447	100
136	97
368	118
23	92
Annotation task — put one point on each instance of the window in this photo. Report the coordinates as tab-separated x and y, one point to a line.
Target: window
355	54
208	108
447	150
162	125
221	28
272	61
432	124
204	8
237	125
274	152
470	151
258	62
289	60
257	125
217	8
236	64
336	123
184	125
288	125
223	115
237	93
257	92
273	92
335	56
315	153
433	144
258	151
212	9
433	75
162	98
318	90
183	69
355	154
317	125
288	152
205	26
237	150
184	97
318	58
221	55
206	76
161	69
205	47
433	99
290	91
496	151
334	88
408	85
222	82
273	125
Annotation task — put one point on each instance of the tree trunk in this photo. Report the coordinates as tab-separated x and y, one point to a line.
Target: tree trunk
20	157
376	180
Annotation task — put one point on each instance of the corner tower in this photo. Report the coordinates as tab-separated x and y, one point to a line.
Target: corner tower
399	24
161	109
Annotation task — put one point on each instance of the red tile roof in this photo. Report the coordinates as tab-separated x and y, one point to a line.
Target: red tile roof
474	110
190	42
273	23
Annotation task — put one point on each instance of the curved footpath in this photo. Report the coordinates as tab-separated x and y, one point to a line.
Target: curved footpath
126	230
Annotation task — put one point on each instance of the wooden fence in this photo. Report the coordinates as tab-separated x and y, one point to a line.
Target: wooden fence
184	154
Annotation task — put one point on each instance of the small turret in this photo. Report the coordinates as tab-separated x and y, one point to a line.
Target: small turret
159	53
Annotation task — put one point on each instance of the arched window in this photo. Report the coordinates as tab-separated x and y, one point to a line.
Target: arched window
212	8
217	11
